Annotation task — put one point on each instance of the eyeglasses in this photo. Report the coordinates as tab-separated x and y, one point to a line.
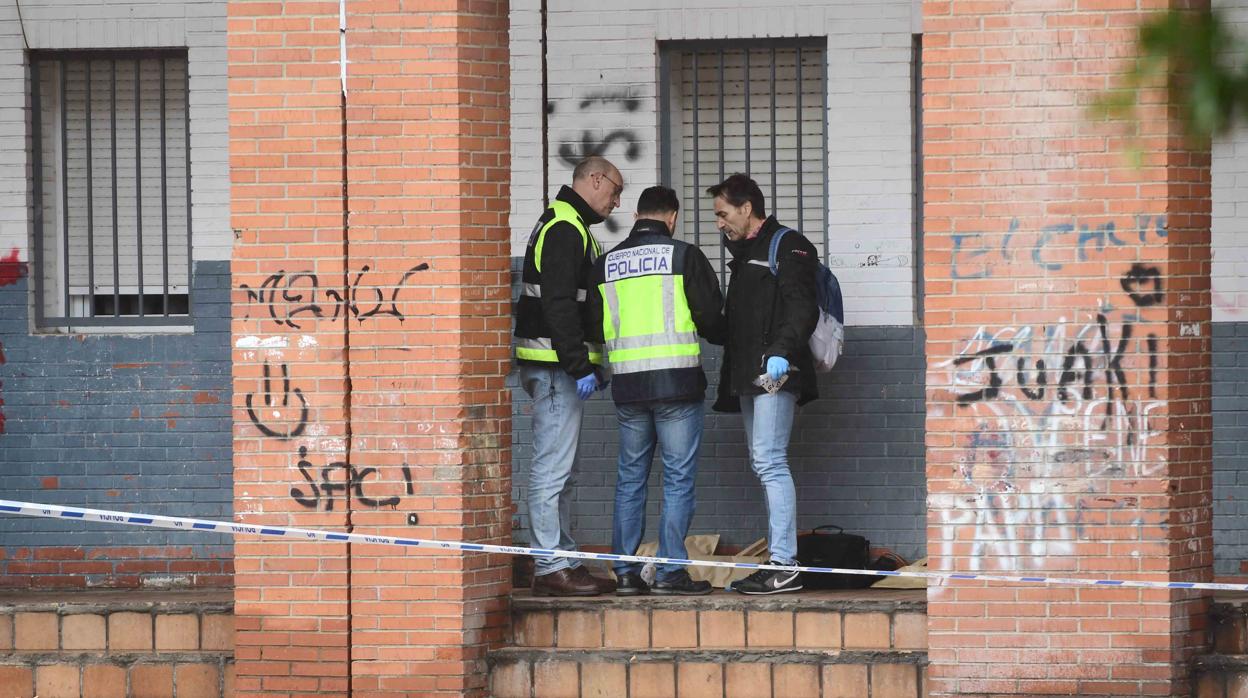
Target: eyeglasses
619	188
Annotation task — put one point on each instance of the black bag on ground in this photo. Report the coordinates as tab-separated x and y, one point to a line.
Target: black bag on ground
823	548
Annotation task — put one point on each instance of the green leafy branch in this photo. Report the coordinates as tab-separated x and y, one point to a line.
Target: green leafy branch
1200	62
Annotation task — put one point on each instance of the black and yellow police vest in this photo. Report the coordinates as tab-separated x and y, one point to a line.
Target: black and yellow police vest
651	340
533	332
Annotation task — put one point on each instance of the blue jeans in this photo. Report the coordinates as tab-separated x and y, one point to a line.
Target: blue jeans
768	423
676	428
556	439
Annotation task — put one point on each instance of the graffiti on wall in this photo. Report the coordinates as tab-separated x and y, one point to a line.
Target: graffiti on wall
11	271
350	485
1061	412
610	143
287	296
977	256
280	410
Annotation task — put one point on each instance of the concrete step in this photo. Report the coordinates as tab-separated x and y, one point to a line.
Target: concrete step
113	643
705	673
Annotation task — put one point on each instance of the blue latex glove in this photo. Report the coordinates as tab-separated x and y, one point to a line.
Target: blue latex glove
777	366
586	386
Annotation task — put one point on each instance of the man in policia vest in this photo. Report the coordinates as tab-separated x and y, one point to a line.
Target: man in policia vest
558	368
653	296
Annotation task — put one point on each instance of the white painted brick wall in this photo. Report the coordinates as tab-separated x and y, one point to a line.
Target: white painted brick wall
594	45
198	25
1230	204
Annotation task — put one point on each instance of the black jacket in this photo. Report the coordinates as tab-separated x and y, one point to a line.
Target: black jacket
769	315
705	302
566	263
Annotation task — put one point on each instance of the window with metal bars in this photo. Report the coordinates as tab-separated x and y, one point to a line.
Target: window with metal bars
752	106
111	180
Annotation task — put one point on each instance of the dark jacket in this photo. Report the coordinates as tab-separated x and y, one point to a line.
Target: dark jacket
705	302
566	263
769	315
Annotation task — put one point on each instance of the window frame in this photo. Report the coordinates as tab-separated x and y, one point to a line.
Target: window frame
667	49
153	322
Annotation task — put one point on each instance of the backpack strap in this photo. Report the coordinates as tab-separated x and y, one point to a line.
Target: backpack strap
774	248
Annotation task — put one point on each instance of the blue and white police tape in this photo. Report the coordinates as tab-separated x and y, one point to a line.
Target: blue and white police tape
53	511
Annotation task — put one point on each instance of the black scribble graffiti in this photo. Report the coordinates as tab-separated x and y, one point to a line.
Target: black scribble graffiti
1137	281
1113	369
1042	380
288	296
1152	366
331	483
609	96
994	380
1069	375
572	154
264	428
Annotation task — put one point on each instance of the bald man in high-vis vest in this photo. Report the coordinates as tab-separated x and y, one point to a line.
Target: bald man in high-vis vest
559	367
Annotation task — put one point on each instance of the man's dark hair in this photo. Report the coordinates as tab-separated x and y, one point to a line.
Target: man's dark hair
739	189
657	199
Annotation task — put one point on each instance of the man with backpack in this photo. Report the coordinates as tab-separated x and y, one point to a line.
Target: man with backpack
767	369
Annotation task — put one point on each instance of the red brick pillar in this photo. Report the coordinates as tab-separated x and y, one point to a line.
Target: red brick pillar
390	323
1067	301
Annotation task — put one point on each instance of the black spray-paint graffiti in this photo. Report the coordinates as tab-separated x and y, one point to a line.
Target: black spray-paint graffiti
1142	277
1077	363
572	152
287	296
286	392
609	96
331	483
1076	378
975	258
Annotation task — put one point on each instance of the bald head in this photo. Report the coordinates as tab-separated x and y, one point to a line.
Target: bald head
592	165
599	183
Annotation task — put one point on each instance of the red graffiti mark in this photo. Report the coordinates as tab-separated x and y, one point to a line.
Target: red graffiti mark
11	269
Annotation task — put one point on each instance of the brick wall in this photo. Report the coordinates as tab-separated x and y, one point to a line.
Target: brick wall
116	422
133	421
1044	245
389	323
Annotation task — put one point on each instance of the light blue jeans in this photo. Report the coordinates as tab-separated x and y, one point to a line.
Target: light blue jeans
676	429
768	423
556	440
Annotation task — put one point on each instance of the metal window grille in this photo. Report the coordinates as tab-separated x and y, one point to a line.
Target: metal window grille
111	155
752	106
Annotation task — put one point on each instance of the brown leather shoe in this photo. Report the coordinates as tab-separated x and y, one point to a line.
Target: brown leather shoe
565	582
604	585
